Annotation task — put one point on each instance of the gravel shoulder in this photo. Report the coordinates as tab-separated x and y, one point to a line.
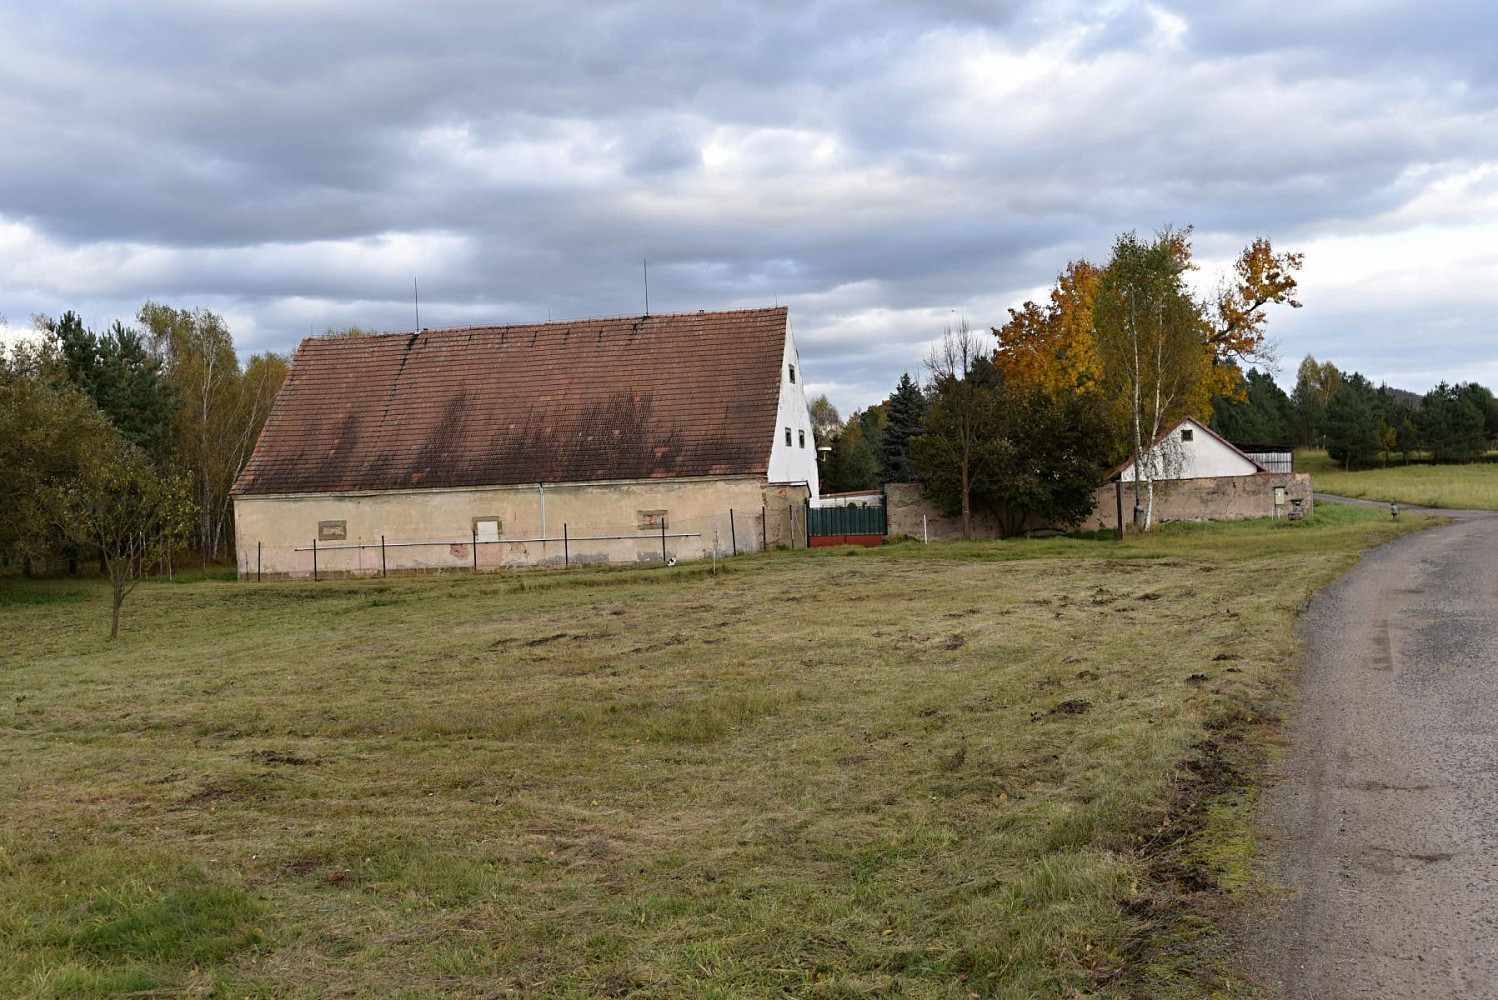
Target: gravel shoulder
1384	827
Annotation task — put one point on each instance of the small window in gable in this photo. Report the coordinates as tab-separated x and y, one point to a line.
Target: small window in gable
793	373
787	437
332	531
803	438
1185	433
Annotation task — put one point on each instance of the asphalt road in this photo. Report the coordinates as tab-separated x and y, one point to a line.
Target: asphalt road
1385	825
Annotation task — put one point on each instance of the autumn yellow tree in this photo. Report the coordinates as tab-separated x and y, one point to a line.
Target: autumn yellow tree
1260	278
1054	347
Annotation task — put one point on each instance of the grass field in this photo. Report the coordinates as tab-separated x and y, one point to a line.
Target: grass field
1453	487
1009	769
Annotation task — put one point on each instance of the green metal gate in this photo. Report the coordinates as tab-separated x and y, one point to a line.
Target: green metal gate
822	522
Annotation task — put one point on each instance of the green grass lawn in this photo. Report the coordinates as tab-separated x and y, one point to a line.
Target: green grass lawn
1005	769
1453	487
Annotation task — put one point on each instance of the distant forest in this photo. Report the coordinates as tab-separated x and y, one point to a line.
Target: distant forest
1358	424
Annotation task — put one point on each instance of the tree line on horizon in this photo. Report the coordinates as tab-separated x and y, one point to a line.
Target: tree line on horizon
121	446
1358	424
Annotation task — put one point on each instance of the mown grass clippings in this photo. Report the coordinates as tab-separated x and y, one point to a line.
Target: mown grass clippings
789	779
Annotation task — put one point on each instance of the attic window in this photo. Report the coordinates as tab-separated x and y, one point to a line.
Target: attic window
793	373
332	531
803	438
1185	433
787	437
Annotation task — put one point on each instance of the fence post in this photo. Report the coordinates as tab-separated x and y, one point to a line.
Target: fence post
314	560
475	548
1118	496
257	563
382	555
732	534
764	528
663	541
566	547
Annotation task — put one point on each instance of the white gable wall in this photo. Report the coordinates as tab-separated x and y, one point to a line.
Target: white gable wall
1205	456
796	462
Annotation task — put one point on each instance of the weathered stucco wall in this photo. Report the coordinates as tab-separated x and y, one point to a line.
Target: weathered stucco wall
1226	498
276	533
785	512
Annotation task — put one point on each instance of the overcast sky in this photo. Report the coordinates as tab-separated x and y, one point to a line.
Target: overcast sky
881	168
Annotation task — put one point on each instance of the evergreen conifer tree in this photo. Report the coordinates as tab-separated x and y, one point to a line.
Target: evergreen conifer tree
907	406
1351	427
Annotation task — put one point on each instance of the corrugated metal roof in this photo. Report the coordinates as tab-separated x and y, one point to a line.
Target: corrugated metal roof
692	394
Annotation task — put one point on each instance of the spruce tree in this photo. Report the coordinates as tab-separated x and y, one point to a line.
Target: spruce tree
907	405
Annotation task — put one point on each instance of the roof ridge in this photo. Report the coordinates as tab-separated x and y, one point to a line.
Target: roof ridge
365	337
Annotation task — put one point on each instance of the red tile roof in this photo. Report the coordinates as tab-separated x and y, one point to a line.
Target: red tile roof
640	397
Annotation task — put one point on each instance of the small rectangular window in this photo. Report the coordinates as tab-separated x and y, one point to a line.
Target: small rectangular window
486	528
1185	433
332	531
647	519
787	437
803	438
793	373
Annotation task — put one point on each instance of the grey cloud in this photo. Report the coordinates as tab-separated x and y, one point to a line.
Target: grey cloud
548	148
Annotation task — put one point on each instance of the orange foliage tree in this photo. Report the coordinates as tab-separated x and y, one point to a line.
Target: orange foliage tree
1054	346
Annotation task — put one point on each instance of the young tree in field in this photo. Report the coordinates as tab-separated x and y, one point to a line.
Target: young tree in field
1352	435
131	512
907	405
1152	339
959	442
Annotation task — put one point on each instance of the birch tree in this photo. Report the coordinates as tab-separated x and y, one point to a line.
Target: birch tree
222	408
1152	338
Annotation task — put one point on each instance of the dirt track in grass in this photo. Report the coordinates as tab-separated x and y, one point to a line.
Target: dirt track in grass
1385	825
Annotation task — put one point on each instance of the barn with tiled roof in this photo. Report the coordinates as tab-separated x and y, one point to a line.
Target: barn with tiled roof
623	439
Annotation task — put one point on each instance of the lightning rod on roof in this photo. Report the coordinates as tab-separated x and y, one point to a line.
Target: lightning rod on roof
646	265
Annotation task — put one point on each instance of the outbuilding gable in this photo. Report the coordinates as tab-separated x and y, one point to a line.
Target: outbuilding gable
1191	450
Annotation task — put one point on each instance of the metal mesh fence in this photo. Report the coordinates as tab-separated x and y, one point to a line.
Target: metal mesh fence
723	535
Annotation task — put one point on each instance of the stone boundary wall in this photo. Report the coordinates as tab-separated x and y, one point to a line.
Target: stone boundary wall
1224	498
